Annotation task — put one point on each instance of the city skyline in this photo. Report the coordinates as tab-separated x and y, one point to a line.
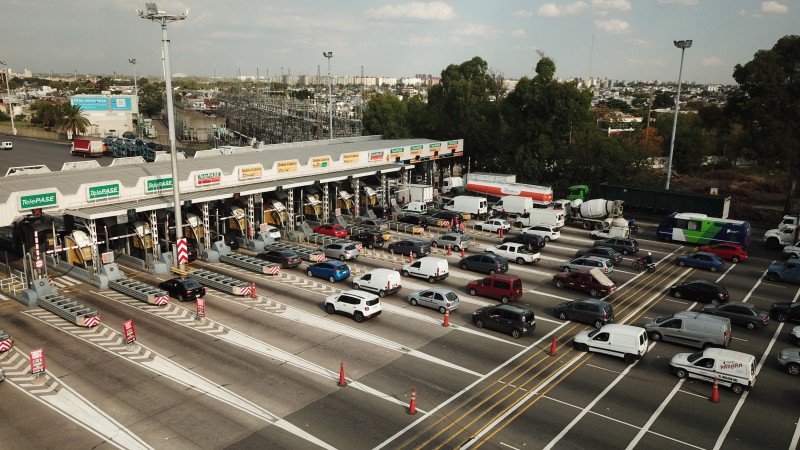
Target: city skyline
611	39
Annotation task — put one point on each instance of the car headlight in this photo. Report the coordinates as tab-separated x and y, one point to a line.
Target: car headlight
783	356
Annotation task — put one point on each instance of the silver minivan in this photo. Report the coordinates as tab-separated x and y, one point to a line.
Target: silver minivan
691	328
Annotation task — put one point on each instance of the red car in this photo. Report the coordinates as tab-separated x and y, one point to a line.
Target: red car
731	252
592	281
334	230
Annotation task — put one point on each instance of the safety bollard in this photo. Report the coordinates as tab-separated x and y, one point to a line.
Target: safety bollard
714	392
252	289
553	346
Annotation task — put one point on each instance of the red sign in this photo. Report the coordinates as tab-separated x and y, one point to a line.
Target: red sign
201	307
183	251
128	331
37	361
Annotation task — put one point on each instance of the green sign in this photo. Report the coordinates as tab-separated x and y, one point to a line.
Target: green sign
452	142
397	150
104	191
159	184
436	145
38	200
416	147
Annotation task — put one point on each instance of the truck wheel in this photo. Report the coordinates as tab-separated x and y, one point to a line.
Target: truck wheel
358	317
356	286
681	373
773	242
405	273
382	293
773	276
515	333
431	279
597	226
629	358
587	225
737	389
520	261
330	309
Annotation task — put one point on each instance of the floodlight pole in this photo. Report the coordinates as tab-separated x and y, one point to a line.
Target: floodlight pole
8	92
683	45
152	13
329	55
135	87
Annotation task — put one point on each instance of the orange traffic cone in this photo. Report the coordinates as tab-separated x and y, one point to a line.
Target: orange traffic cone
412	405
342	382
410	256
446	322
252	289
463	254
500	233
449	251
553	346
715	392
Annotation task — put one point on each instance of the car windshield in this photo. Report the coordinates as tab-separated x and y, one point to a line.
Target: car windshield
191	284
662	319
451	296
593	333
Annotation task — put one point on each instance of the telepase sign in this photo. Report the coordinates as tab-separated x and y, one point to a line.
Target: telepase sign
103	191
41	200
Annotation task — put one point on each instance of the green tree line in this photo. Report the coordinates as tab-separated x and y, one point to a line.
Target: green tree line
546	131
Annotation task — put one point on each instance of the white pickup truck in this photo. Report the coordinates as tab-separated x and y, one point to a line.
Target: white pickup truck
792	251
513	251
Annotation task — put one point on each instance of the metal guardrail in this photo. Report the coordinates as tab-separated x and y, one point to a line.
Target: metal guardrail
251	263
69	309
5	341
140	291
306	253
221	282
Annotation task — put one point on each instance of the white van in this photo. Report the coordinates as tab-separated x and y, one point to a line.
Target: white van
6	145
736	370
513	204
691	328
624	341
536	216
429	267
475	206
380	281
415	207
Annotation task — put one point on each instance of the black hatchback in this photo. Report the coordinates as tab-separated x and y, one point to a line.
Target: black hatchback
184	289
626	246
701	291
510	319
593	311
485	263
286	258
368	238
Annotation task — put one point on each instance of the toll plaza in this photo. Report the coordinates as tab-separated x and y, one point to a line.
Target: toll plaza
84	218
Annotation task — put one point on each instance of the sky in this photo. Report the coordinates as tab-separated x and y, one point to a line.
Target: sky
615	39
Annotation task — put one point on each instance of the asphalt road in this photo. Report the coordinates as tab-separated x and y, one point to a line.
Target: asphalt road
263	372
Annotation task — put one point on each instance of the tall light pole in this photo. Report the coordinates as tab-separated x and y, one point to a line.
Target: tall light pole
683	45
135	86
329	55
8	92
151	12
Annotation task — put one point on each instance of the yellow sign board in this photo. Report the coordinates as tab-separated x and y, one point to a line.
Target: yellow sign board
351	158
250	172
321	161
287	166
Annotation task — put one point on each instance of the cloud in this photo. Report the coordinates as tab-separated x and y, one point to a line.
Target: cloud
679	2
615	26
432	11
639	42
571	9
608	5
472	33
712	61
522	13
519	33
420	41
772	7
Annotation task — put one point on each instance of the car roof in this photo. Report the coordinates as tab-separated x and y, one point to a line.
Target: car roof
594	301
706	282
622	329
359	293
438	290
705	253
332	262
502	276
591	258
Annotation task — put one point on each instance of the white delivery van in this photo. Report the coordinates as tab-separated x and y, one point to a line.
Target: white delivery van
429	267
415	207
380	281
691	328
6	145
736	370
624	341
475	206
541	216
513	204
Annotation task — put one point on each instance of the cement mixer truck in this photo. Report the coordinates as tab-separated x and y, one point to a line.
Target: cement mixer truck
591	214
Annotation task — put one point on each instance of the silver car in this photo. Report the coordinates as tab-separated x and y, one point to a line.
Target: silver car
436	298
456	241
587	263
340	250
375	224
789	359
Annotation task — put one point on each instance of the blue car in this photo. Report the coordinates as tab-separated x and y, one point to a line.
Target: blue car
701	260
332	270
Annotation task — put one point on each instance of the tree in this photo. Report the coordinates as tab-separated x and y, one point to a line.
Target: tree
767	105
386	115
71	120
151	99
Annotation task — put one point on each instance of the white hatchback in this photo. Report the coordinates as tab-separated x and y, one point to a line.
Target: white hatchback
358	304
547	232
493	225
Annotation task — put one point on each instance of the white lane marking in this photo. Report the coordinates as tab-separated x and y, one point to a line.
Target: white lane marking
796	436
458	394
694	394
623	423
67	402
506	445
654	416
739	339
747	297
601	368
724	433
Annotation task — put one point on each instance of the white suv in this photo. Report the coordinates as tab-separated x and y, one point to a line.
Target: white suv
358	304
547	232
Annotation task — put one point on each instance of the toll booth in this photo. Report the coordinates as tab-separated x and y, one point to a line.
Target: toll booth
79	249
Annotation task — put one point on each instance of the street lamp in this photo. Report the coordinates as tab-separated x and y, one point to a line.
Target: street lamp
683	45
329	55
135	86
151	12
8	92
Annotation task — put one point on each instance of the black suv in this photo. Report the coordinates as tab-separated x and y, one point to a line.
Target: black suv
613	256
286	258
784	311
484	262
183	288
626	246
413	219
369	239
410	247
533	241
595	312
510	319
701	291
